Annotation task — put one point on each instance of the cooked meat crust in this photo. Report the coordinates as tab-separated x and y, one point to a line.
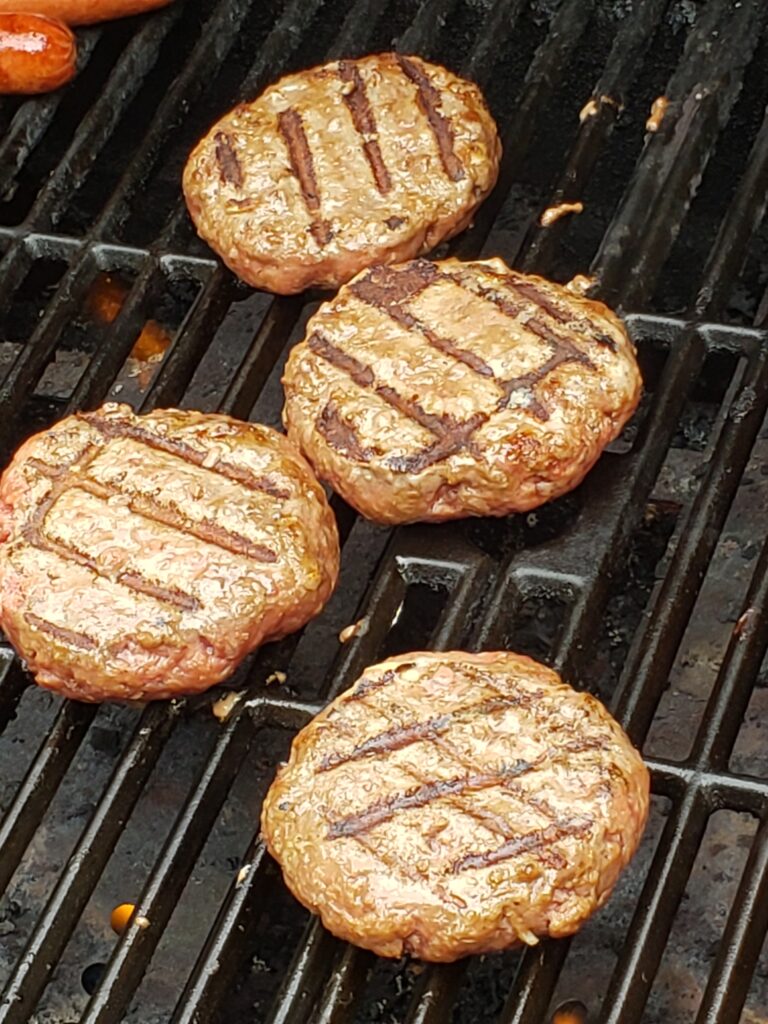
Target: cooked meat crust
145	556
456	803
439	390
341	166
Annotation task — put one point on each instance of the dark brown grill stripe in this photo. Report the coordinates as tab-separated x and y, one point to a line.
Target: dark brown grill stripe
361	374
538	296
68	636
541	298
430	101
229	166
386	288
204	530
356	99
493	822
340	435
130	579
400	736
292	129
211	532
113	428
563	348
396	738
171	595
364	377
527	843
34	534
533	294
366	686
384	810
454	441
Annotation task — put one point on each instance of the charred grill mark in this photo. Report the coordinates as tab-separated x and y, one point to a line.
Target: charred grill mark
145	507
385	288
430	101
453	441
131	579
397	738
67	636
204	530
493	822
384	810
451	435
229	166
254	483
356	99
606	341
562	348
113	428
171	595
393	223
540	299
340	435
366	686
362	375
292	130
536	840
438	424
34	534
527	382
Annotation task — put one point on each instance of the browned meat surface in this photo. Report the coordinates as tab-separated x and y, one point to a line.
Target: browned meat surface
438	390
456	803
333	169
145	556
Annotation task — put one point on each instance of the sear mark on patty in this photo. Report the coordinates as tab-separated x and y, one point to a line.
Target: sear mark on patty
67	636
292	130
114	428
229	166
430	102
385	810
341	435
527	843
356	99
386	288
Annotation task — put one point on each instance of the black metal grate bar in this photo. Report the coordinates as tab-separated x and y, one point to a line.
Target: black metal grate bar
85	866
40	785
728	984
170	873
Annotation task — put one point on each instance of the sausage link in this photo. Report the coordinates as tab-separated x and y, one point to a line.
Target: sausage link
37	53
81	12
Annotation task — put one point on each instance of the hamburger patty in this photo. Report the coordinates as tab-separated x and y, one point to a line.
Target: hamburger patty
341	166
431	391
456	803
144	556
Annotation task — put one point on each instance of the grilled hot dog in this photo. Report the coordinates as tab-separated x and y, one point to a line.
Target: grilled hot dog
81	12
37	54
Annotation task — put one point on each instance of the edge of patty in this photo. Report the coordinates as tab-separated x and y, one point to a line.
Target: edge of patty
213	176
398	908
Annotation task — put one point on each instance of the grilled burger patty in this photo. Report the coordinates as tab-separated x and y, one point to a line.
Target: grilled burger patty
145	556
333	169
456	803
438	390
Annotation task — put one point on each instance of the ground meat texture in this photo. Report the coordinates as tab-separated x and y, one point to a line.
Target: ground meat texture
456	803
330	170
143	557
431	391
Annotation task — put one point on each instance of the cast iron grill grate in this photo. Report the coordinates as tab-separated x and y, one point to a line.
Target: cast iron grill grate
649	585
